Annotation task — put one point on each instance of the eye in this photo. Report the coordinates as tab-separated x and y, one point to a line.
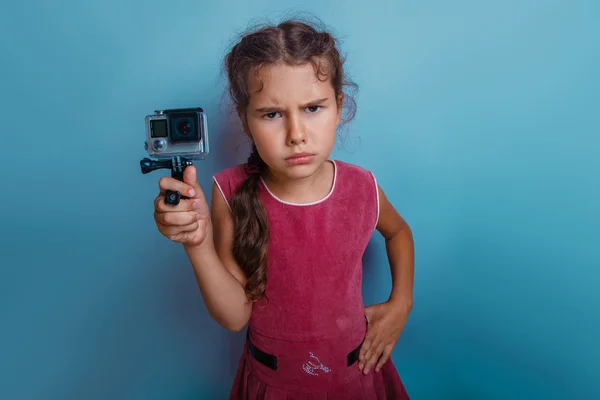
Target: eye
313	109
271	115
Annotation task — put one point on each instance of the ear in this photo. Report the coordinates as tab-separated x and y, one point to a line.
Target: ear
340	106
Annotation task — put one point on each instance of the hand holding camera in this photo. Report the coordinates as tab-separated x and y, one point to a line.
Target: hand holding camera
175	138
188	222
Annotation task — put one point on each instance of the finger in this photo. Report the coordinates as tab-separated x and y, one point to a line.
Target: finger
176	218
373	357
184	205
387	352
171	231
182	237
199	206
368	312
190	178
168	183
365	351
366	346
367	358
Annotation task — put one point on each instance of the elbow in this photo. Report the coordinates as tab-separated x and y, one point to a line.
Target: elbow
232	326
231	315
235	326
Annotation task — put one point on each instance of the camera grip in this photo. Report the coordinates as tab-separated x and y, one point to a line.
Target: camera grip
173	197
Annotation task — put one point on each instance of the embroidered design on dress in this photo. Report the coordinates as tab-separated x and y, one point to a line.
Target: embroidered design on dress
314	365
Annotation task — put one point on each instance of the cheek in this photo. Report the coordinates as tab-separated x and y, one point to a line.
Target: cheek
266	143
324	127
261	128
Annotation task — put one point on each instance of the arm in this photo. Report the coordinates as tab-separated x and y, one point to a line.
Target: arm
400	251
219	277
387	320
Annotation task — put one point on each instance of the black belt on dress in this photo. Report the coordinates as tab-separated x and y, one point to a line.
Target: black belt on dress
270	360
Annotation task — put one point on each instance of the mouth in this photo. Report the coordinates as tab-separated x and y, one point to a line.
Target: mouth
300	155
300	158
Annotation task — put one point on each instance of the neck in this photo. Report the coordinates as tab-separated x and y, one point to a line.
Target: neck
302	190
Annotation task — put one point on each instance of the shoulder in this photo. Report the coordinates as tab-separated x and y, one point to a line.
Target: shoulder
229	179
355	173
235	172
359	186
357	180
352	168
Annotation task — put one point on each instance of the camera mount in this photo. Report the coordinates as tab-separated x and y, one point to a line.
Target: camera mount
177	165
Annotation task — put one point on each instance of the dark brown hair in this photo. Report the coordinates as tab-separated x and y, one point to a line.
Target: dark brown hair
293	42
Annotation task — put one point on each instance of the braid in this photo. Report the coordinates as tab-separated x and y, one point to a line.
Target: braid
251	237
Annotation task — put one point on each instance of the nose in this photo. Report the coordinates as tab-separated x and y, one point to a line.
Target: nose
296	132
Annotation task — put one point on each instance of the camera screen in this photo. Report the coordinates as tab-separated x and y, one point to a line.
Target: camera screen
159	128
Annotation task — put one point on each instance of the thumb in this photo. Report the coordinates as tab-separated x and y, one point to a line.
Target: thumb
369	312
189	177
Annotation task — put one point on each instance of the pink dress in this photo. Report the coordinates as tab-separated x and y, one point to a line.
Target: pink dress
303	340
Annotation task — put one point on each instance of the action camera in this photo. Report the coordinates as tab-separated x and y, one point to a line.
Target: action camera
175	138
177	132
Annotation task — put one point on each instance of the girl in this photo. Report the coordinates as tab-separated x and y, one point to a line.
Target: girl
281	248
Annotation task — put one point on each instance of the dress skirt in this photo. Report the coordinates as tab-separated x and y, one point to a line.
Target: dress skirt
275	369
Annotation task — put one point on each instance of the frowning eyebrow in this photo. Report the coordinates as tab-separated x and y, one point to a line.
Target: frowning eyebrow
270	109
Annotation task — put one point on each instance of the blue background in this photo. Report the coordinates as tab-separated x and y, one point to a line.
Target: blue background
480	120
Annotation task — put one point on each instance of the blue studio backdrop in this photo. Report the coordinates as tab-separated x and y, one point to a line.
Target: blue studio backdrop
479	118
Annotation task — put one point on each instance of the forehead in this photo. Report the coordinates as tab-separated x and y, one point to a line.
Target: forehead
283	83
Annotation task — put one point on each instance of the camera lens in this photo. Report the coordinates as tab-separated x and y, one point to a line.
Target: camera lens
184	127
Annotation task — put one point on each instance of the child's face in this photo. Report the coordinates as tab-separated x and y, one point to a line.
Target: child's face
293	113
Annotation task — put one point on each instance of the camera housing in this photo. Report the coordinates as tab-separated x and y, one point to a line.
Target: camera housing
177	132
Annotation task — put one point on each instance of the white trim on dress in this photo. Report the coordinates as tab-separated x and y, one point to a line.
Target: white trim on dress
377	195
223	194
335	172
